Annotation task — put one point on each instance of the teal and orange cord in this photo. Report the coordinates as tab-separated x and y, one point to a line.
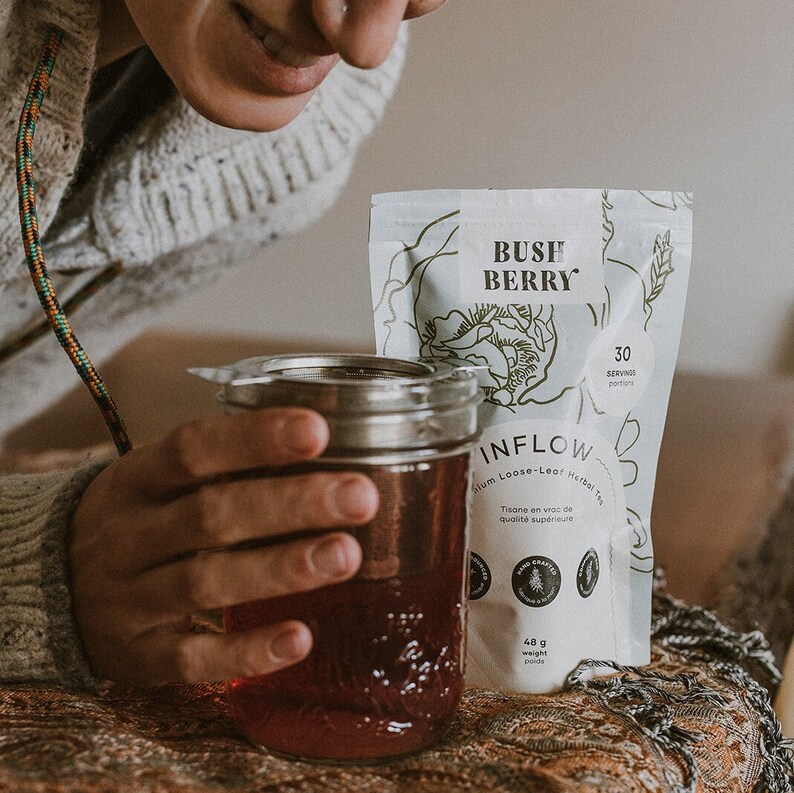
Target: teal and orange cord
35	255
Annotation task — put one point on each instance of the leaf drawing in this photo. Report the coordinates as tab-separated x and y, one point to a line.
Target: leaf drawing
669	200
607	234
627	437
535	581
639	531
661	268
630	471
607	226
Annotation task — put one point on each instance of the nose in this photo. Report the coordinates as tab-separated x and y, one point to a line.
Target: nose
363	31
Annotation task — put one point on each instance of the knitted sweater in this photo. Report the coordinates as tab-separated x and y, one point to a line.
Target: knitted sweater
175	202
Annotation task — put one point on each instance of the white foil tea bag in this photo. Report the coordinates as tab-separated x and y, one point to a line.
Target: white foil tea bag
571	304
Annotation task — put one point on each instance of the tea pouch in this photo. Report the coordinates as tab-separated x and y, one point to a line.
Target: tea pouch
570	302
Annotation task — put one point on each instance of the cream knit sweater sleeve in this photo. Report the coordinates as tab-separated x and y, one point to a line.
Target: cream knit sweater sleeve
175	203
38	637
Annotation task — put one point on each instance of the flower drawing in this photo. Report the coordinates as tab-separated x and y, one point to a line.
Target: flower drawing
515	344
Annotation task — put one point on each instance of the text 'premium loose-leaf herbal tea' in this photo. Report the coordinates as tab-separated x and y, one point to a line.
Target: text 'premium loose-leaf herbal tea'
571	304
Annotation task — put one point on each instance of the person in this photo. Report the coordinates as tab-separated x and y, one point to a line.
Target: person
175	139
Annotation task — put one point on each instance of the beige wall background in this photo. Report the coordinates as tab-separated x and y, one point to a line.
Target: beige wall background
654	94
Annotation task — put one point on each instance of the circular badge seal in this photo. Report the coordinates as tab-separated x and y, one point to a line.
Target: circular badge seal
587	573
479	577
536	581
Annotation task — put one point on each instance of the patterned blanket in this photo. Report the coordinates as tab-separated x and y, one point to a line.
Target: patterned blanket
698	718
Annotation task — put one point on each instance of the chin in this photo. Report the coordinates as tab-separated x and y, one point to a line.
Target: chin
246	110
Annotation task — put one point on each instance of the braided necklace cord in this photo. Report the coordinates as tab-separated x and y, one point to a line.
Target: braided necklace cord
26	338
35	255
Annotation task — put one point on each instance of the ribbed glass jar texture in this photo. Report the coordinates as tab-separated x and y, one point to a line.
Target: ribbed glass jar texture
386	671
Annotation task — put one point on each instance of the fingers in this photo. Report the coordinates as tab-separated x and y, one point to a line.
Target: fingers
220	579
418	8
218	445
226	513
197	658
361	31
148	545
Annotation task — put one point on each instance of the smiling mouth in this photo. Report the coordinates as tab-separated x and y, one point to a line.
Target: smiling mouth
276	45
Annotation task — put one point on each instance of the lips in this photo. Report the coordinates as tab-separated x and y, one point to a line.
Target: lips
278	64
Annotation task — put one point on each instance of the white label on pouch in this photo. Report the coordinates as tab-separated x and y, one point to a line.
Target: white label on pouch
620	367
548	508
531	246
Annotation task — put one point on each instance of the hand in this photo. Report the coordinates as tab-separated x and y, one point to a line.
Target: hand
153	541
361	31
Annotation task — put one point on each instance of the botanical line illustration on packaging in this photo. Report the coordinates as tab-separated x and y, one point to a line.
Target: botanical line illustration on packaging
516	344
481	279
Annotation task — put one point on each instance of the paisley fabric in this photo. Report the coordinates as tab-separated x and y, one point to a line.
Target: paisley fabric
697	719
691	721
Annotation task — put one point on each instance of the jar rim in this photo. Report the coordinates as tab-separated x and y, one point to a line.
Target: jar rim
370	402
348	369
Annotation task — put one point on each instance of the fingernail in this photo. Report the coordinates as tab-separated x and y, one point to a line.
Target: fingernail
353	499
289	645
300	435
330	557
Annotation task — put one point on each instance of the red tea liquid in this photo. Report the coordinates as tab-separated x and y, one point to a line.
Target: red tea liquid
386	671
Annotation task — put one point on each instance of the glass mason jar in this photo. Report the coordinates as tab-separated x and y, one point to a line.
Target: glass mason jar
386	671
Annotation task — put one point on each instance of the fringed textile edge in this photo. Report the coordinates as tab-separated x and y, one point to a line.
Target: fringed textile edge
645	696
